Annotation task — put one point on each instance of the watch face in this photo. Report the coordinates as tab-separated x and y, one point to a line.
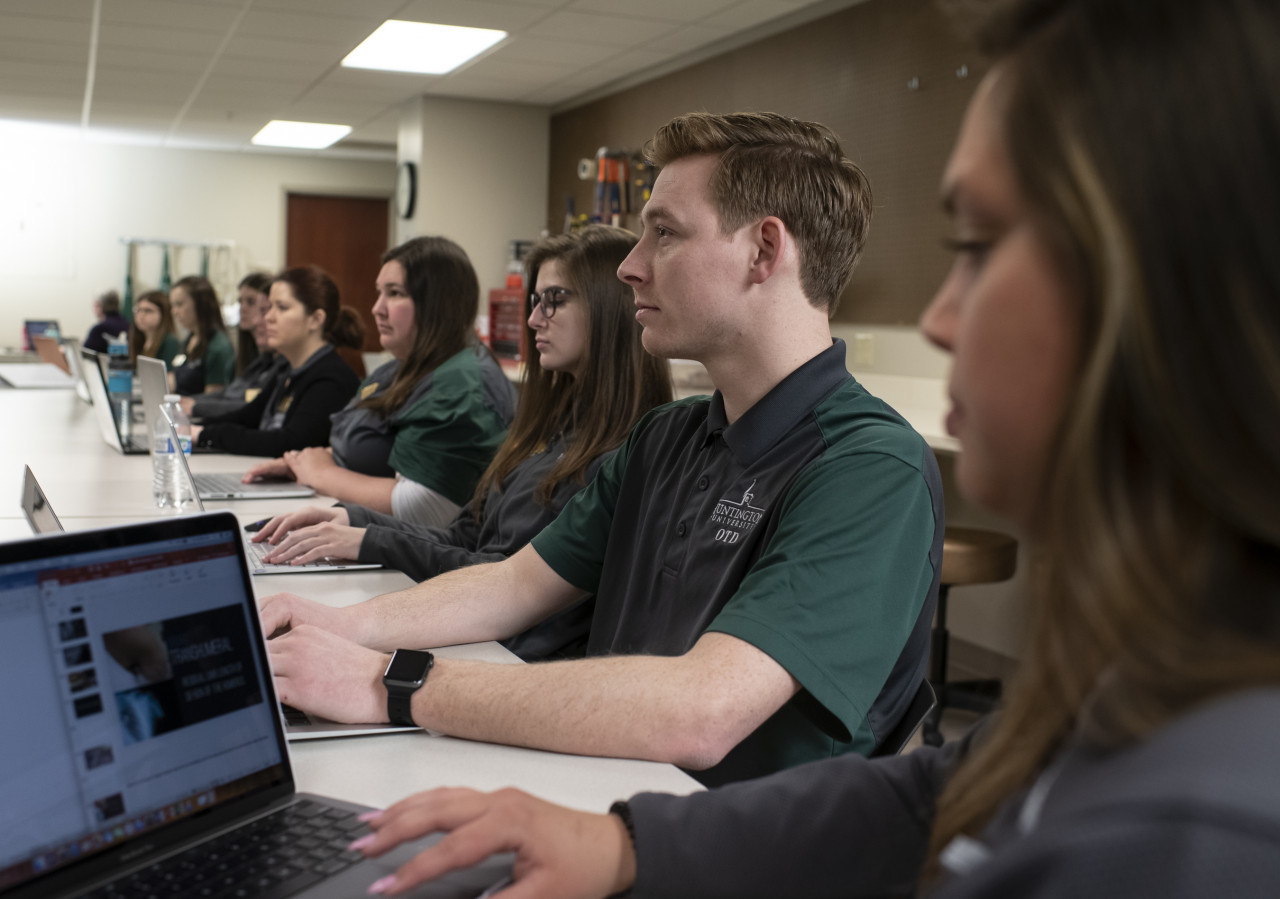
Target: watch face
406	189
409	666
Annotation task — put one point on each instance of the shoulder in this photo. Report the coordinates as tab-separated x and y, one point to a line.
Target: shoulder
1190	810
853	422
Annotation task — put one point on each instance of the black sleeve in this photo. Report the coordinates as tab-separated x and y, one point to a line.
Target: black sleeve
245	415
305	424
846	827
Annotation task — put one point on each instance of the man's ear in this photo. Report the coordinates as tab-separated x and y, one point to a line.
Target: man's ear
772	242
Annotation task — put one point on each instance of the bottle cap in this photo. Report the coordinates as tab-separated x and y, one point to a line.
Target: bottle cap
172	397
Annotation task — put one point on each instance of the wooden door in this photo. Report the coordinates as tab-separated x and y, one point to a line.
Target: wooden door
345	236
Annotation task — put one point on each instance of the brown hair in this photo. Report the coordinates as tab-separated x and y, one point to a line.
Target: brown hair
615	383
314	289
246	346
139	343
445	291
1159	544
208	312
774	165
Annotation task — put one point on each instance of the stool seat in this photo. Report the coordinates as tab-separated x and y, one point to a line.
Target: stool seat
969	556
972	556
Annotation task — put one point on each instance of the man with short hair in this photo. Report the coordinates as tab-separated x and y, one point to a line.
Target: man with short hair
765	560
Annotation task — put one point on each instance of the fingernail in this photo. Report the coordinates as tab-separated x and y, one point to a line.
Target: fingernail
371	815
379	887
357	845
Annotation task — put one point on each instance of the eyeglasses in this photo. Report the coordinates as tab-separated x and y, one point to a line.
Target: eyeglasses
549	300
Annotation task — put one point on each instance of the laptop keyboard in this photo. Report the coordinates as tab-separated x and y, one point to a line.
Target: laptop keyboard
295	717
271	858
257	551
220	483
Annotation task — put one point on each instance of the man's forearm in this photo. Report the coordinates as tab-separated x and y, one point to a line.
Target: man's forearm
688	710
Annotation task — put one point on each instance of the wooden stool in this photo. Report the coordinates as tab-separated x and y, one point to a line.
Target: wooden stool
969	556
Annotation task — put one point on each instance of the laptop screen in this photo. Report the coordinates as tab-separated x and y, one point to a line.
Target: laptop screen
135	694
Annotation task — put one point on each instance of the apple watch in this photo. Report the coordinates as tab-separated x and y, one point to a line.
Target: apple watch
404	676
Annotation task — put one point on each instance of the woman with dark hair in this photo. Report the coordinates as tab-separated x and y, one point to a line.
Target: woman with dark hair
152	331
1112	313
260	376
305	322
207	360
586	383
420	432
253	291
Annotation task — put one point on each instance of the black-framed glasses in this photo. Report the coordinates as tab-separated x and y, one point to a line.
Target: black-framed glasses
549	300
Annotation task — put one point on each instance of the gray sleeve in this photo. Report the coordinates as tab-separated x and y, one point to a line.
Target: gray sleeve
1171	852
420	554
847	827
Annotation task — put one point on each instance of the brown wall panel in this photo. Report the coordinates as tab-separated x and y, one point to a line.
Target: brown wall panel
850	71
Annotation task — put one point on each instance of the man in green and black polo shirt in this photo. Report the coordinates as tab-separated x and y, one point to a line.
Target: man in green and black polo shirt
765	560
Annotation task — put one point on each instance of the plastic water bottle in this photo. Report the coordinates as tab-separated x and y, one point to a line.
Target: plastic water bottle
120	384
169	486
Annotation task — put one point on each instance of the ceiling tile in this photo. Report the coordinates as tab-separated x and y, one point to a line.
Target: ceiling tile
615	31
666	10
473	14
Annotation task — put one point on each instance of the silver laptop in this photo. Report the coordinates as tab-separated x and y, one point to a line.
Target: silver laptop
102	410
153	384
35	376
255	551
144	749
35	506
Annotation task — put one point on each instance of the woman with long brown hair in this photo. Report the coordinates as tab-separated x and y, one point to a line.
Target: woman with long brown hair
207	360
587	381
152	331
1114	320
422	428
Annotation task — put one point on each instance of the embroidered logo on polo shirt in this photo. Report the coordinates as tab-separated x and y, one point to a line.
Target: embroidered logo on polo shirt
736	519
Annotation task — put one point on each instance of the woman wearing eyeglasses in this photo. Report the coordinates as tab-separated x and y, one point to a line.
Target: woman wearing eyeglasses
588	381
422	428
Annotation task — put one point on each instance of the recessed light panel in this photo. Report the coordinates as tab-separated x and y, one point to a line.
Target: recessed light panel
420	47
302	135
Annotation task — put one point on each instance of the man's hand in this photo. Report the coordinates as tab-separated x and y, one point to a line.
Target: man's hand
318	671
281	525
309	464
320	541
276	469
282	612
559	852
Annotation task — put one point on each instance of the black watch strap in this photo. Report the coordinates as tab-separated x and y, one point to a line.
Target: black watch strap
405	675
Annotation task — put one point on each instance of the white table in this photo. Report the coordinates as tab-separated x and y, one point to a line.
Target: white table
90	485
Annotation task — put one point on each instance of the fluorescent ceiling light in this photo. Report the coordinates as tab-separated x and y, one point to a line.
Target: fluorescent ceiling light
420	47
304	135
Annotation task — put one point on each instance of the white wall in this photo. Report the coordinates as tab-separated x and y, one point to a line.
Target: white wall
66	202
482	176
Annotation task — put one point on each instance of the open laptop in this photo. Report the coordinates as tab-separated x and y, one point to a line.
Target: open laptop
299	725
126	444
33	328
35	506
143	742
255	551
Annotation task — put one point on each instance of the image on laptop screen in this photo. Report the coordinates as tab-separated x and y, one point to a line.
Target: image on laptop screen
136	695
